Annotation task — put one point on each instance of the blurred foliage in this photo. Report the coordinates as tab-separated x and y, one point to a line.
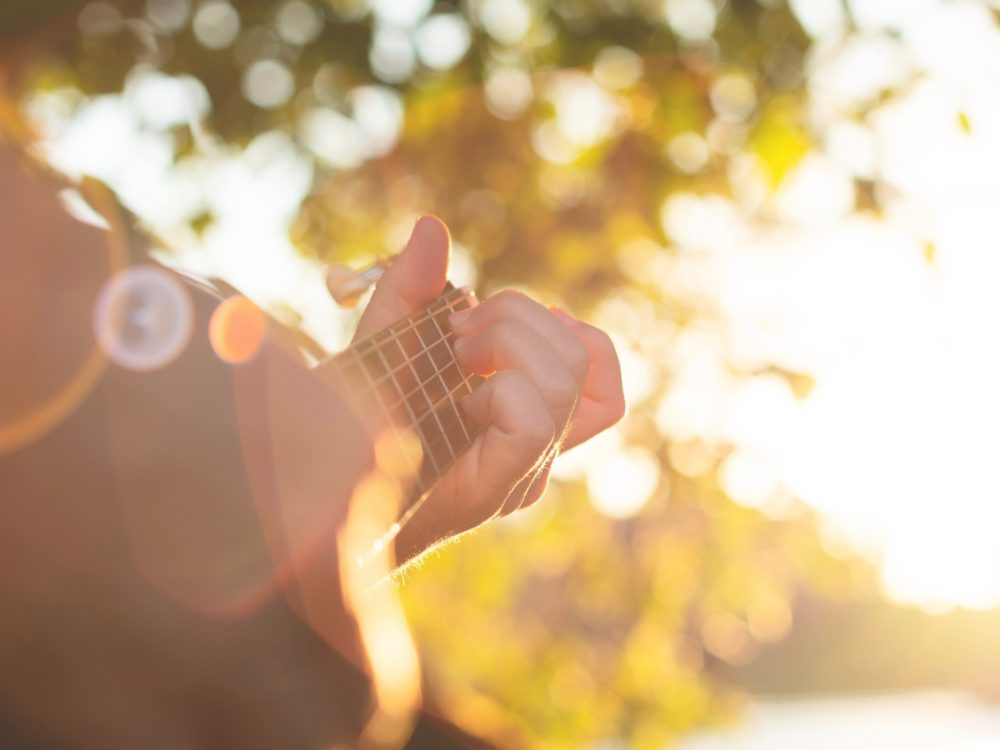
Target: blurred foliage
549	144
561	629
842	647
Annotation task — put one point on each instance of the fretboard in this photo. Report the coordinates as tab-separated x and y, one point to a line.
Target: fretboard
408	374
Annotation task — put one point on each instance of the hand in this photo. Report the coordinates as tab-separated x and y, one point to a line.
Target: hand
553	382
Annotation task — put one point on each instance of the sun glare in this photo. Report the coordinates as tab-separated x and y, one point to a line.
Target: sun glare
891	316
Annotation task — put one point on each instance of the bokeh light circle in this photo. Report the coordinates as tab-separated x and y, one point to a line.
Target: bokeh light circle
620	483
143	318
237	330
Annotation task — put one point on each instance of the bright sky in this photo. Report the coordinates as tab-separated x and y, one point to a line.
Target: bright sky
897	444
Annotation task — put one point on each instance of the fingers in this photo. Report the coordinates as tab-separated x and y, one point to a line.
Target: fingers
602	402
511	345
531	488
492	477
416	276
513	305
518	433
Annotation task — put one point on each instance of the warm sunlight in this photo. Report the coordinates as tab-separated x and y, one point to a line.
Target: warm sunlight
664	411
890	315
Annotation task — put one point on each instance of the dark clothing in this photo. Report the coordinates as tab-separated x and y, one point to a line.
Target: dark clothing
153	531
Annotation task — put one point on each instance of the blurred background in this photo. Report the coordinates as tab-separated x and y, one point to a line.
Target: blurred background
784	213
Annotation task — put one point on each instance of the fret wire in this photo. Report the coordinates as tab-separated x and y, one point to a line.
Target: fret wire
397	329
405	400
464	384
449	300
458	415
369	346
424	443
453	391
390	371
445	301
430	449
448	397
422	389
444	385
435	405
378	396
433	408
420	386
409	359
396	333
396	433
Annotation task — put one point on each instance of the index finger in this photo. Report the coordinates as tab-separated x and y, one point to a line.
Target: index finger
416	276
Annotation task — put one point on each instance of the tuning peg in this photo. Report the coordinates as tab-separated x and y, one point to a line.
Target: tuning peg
347	285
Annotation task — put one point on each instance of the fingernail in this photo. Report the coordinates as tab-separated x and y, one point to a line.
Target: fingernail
416	228
459	318
426	227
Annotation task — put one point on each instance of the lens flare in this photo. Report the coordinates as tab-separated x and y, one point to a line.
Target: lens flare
24	428
391	652
237	330
143	318
622	482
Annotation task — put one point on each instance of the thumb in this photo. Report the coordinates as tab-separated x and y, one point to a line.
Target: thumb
415	277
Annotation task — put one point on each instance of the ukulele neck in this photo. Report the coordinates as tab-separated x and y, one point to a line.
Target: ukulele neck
407	375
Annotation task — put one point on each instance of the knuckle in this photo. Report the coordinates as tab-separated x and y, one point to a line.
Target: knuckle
510	380
577	359
565	387
540	432
509	333
516	303
510	299
603	341
618	409
512	388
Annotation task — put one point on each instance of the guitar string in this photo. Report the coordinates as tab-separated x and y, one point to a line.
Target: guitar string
378	545
392	532
447	301
410	324
406	402
393	335
448	393
433	411
432	407
390	373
